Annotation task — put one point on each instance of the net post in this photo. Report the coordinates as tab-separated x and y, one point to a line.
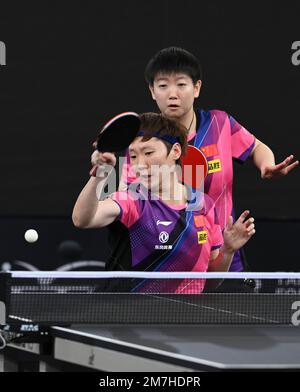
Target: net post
4	297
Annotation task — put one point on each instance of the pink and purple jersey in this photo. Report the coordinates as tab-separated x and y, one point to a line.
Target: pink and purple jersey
158	237
222	139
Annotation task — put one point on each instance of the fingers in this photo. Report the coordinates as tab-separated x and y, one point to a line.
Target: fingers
229	223
243	216
281	169
291	166
99	158
250	229
283	164
96	158
102	163
249	226
286	163
108	156
289	158
248	222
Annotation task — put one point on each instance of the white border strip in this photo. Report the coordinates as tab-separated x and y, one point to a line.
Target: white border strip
189	359
154	275
137	346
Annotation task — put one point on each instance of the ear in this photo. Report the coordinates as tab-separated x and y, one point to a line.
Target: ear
151	88
197	88
176	151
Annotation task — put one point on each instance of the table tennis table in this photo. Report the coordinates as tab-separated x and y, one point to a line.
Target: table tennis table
244	340
163	348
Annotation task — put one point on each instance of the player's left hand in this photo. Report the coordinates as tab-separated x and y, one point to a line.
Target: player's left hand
279	170
236	235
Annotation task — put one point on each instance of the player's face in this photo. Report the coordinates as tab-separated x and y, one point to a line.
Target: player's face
175	94
151	162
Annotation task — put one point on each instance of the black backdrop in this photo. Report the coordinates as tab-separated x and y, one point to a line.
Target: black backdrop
70	67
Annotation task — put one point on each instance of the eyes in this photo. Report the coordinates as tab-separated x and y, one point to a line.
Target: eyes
147	153
165	85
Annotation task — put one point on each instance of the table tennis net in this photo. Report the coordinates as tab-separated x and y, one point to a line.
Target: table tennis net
51	298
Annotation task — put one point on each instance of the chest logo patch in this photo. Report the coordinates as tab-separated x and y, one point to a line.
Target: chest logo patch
163	237
214	166
199	220
202	237
210	150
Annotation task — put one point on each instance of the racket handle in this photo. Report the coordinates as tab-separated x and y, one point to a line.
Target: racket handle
93	171
101	171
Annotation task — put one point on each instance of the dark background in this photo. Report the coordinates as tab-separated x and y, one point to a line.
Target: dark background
70	67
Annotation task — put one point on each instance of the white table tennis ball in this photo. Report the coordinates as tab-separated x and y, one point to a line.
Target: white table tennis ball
6	266
31	235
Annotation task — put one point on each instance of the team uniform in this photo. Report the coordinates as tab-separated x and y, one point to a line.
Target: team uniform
150	235
221	138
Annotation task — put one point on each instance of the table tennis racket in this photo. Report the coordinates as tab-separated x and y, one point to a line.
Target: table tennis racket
119	132
194	167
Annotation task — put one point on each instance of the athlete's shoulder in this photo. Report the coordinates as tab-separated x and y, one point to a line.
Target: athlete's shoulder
212	112
213	115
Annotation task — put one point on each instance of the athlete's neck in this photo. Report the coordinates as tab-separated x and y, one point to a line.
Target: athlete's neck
174	192
189	121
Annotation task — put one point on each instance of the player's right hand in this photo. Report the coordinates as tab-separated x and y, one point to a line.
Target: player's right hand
102	163
103	158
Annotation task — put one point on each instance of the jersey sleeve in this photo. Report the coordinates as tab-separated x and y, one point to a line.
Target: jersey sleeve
217	235
213	219
129	206
242	141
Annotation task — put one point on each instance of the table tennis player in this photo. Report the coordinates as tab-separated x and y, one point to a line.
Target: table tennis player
157	231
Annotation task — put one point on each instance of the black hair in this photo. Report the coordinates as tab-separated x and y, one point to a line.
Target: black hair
173	60
155	125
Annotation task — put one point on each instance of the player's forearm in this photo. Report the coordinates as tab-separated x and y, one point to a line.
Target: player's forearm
262	156
87	203
220	264
223	261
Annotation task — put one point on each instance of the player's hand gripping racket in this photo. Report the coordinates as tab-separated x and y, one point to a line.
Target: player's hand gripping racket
117	134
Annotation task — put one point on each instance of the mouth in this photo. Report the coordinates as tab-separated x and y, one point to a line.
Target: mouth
173	106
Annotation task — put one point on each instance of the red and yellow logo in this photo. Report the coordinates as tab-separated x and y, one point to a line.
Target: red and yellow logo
199	220
210	150
202	236
214	166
